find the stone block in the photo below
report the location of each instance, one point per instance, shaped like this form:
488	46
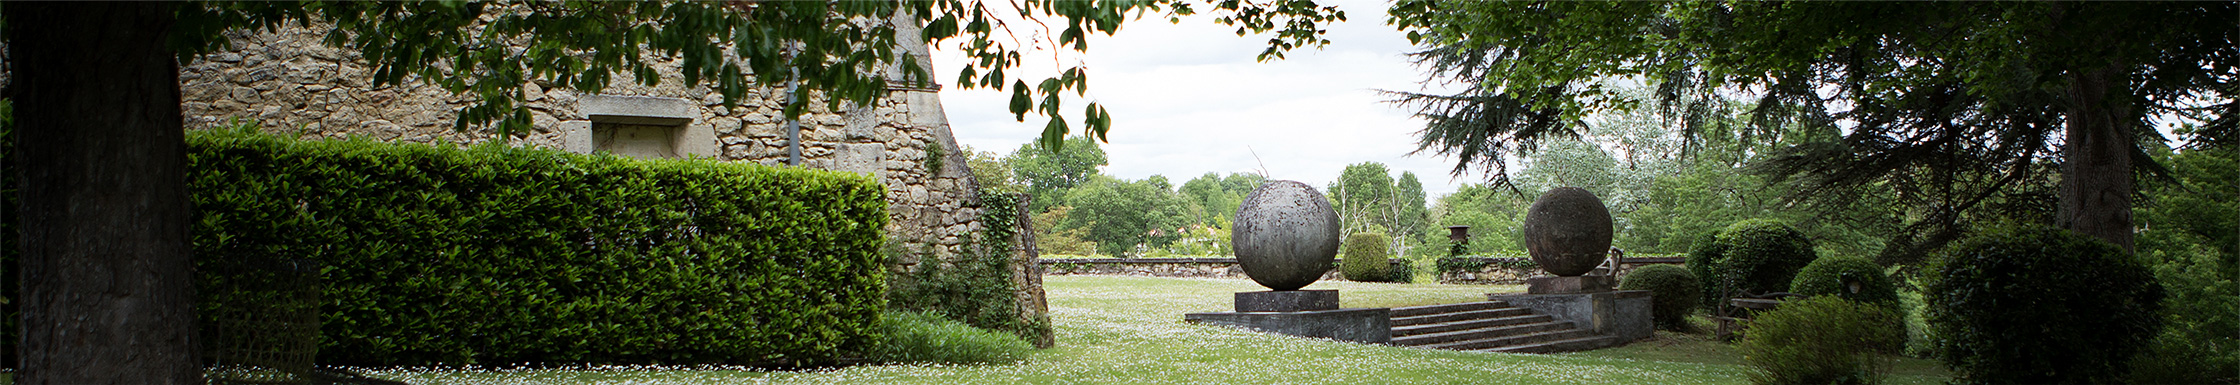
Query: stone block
1623	313
861	157
643	110
1287	300
697	139
1567	285
1369	325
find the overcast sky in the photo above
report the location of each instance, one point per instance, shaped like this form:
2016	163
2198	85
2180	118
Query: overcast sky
1188	99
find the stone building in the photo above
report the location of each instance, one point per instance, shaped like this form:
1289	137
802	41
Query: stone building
294	85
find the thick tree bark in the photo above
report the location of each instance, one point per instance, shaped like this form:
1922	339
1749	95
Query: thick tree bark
107	280
2096	158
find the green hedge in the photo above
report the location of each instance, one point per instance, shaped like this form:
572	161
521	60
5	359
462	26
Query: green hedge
492	255
1364	258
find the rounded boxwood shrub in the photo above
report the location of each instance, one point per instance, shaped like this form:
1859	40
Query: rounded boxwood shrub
1365	257
1855	279
1672	293
2040	305
1822	340
1755	256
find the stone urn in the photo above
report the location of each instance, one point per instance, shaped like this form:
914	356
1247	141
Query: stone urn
1285	235
1567	231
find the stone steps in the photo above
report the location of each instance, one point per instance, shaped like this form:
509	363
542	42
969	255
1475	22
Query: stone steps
1492	326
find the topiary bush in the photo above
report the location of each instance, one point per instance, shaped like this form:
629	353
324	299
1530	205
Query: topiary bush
915	337
1822	340
1752	256
2040	305
1672	293
1365	257
1855	279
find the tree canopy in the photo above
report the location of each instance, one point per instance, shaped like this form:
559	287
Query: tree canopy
1921	93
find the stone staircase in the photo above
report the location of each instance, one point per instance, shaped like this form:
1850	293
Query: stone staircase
1491	326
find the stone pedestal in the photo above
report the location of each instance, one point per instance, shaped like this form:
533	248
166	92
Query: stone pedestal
1287	300
1623	314
1569	285
1369	325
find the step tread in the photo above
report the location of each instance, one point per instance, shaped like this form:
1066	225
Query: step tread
1480	333
1520	339
1459	316
1410	311
1558	346
1402	331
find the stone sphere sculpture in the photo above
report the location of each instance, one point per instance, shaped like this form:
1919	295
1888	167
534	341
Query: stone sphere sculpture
1285	235
1567	231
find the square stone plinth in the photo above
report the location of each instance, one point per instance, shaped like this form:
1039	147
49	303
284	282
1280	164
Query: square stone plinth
1369	325
1287	300
1568	285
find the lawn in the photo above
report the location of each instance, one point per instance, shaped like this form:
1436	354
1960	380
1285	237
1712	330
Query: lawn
1129	330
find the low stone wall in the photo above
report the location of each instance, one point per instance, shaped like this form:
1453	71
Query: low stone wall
1157	267
1514	270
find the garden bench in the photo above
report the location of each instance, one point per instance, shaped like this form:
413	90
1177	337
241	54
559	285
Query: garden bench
1750	305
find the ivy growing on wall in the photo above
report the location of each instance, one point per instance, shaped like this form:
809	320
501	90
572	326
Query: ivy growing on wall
977	288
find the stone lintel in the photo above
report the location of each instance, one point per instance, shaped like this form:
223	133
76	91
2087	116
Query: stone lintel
1363	325
1287	300
1567	285
642	110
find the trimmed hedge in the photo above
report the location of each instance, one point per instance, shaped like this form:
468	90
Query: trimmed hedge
493	255
1851	278
1672	293
2040	305
1365	259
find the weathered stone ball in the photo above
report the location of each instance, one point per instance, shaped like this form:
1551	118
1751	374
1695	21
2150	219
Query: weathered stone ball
1285	235
1567	231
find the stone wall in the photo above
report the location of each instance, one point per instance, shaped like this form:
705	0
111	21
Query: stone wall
1161	267
1514	270
296	86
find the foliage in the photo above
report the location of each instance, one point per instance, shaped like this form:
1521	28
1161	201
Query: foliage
1402	272
991	171
975	289
1955	110
1822	340
1119	215
1672	289
914	337
1219	197
495	255
1053	240
1050	174
2030	304
1754	256
1365	258
1849	278
2190	240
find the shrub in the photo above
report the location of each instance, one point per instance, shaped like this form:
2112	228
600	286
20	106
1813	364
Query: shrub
496	256
1752	256
2200	341
1702	257
1402	272
1365	257
914	337
1855	279
1672	291
977	290
1821	340
2040	305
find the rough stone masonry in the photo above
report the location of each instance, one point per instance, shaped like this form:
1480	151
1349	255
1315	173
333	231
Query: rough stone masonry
294	85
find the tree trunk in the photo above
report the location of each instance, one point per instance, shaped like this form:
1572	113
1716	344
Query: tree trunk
107	280
2096	158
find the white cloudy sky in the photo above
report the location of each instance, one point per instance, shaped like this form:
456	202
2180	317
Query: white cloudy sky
1189	98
